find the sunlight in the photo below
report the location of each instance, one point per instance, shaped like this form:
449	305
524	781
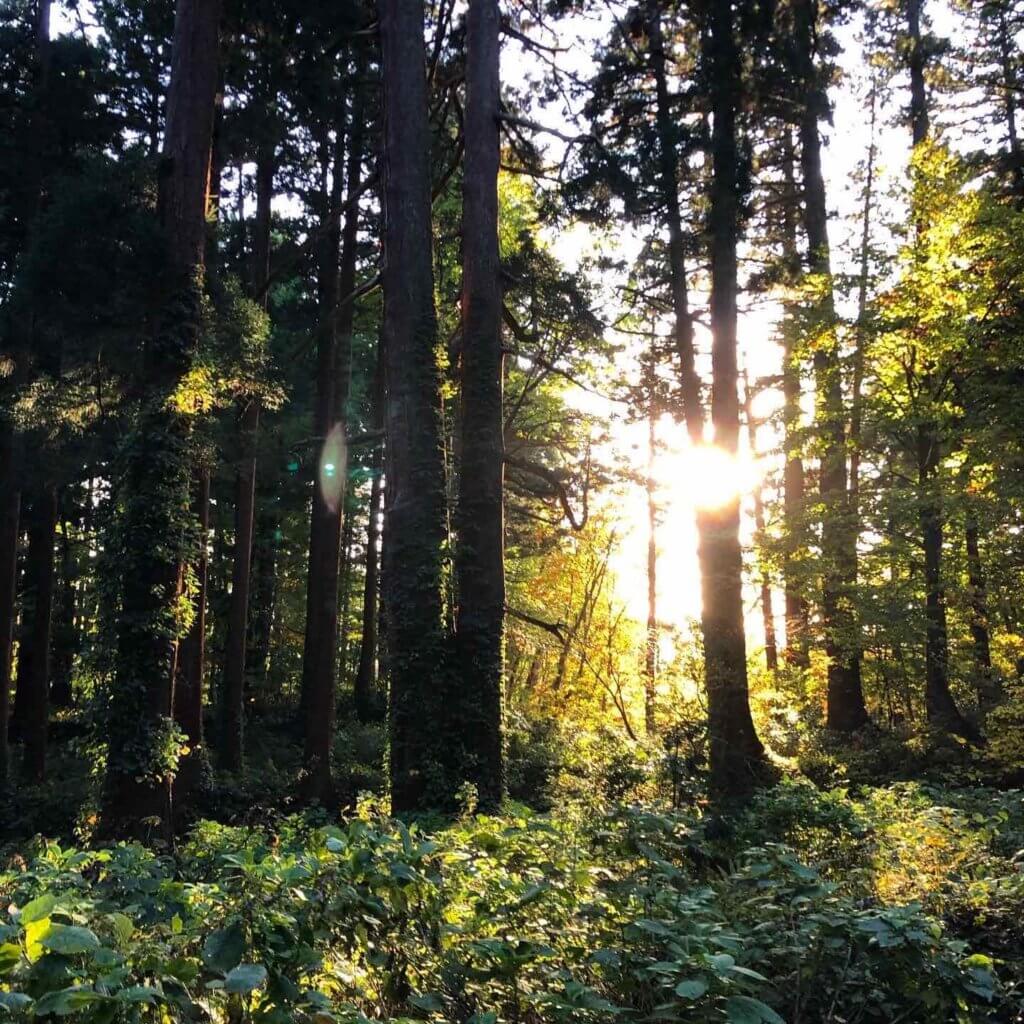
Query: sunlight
702	477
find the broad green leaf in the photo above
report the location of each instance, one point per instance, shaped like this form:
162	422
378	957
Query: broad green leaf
66	1001
224	948
69	939
245	978
693	988
34	933
14	1002
10	955
37	909
746	1010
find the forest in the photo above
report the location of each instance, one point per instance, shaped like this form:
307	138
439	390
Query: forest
512	511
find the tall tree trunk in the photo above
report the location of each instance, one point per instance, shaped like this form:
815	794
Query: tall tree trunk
668	167
846	709
651	646
319	670
480	551
1010	90
11	443
771	648
798	627
939	703
64	641
367	699
737	757
264	596
33	705
155	482
233	739
989	690
188	693
415	499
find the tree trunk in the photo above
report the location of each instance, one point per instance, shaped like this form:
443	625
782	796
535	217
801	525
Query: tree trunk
156	479
233	739
737	757
264	596
771	649
367	699
32	704
989	690
415	499
651	646
64	641
479	553
319	670
668	163
940	706
188	693
798	627
846	709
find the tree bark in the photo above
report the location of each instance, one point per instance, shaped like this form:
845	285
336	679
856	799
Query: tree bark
798	626
188	693
668	161
156	478
737	757
320	663
32	703
415	499
367	699
479	553
846	709
233	738
771	648
651	645
989	689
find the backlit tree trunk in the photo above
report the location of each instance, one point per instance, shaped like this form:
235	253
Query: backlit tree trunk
737	757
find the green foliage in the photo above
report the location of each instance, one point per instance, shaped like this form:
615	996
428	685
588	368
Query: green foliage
620	916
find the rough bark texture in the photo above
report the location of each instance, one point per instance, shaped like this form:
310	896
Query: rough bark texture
737	757
245	494
846	710
479	560
155	477
415	500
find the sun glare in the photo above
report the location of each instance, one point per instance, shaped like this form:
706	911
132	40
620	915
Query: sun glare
702	477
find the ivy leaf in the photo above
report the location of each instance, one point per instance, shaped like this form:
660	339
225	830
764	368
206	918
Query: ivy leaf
245	978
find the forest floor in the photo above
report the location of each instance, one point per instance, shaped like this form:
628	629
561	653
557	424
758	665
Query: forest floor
897	902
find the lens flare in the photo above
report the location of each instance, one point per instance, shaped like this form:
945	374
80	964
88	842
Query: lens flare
333	459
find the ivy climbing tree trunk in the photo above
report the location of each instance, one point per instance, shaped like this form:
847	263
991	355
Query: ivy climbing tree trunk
479	553
155	476
737	757
415	500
